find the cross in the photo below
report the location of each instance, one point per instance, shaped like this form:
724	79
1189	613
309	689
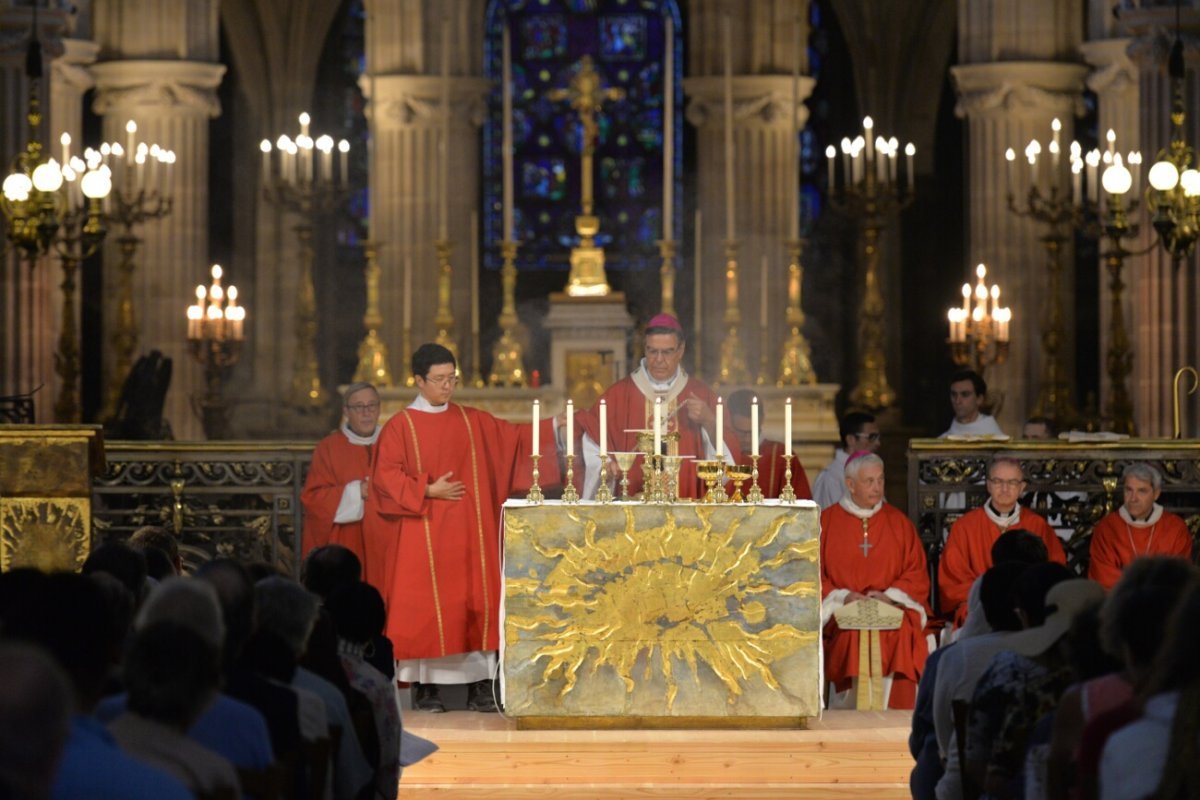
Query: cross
586	97
866	545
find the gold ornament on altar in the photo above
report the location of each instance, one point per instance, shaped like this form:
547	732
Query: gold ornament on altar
215	332
372	351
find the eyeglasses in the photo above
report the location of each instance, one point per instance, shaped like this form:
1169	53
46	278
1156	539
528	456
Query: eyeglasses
359	408
443	381
1000	483
652	353
870	437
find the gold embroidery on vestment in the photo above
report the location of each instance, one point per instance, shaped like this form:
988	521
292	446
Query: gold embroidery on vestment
487	611
437	602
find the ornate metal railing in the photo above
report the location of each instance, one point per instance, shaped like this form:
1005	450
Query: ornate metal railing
1074	485
222	499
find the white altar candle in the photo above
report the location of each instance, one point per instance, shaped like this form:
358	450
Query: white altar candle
668	129
657	425
794	167
787	427
603	428
570	427
720	426
754	427
729	207
537	424
444	200
506	146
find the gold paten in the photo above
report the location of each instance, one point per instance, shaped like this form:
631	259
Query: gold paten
682	612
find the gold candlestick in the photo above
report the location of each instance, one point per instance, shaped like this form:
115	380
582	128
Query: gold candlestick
659	495
733	355
406	365
666	248
508	354
570	495
443	320
787	494
535	492
755	494
795	360
604	494
372	352
719	495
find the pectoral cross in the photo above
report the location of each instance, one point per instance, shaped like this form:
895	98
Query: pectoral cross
586	97
866	545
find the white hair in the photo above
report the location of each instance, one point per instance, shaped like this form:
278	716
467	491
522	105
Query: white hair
353	388
855	465
1143	472
188	602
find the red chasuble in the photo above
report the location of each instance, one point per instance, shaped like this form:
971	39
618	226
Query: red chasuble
629	409
968	554
336	462
895	560
1115	543
437	562
772	467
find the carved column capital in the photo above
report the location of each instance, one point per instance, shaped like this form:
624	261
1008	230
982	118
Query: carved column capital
71	68
758	100
414	101
124	87
1114	71
1006	87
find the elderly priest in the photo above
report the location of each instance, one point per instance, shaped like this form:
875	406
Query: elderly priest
870	552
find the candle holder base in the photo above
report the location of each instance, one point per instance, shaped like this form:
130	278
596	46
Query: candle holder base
535	492
570	495
755	494
719	494
787	494
604	494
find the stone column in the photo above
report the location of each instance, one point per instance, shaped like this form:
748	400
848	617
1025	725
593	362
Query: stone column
1114	79
1005	105
403	62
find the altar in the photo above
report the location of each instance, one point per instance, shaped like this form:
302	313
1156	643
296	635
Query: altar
661	615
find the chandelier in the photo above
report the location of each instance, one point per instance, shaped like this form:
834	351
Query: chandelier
1174	195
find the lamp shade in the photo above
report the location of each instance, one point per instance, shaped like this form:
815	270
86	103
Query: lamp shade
1163	176
1117	179
17	187
48	177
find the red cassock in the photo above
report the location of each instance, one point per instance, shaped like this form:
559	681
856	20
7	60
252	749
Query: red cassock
968	554
895	560
336	462
1115	543
629	410
772	466
437	562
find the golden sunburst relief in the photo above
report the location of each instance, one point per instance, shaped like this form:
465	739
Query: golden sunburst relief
661	610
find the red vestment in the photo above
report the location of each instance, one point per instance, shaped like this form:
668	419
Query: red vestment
896	561
1115	543
772	467
630	410
437	562
336	462
968	554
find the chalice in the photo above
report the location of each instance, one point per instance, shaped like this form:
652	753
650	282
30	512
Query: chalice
625	462
710	471
738	474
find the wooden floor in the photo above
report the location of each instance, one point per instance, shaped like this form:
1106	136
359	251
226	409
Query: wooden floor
846	754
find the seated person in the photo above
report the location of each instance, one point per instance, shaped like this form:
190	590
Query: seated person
968	550
1140	527
871	549
858	431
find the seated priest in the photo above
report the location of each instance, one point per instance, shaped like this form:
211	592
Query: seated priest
967	553
689	408
772	466
857	430
340	475
1140	527
432	530
870	549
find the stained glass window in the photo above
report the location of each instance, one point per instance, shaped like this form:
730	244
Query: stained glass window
626	40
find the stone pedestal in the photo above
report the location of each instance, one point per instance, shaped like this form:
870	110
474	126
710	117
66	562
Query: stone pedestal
589	344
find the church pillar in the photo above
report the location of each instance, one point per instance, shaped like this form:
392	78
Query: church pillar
1164	295
161	74
403	84
1006	104
1114	79
765	189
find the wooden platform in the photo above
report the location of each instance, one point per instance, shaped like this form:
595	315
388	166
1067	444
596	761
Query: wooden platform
845	754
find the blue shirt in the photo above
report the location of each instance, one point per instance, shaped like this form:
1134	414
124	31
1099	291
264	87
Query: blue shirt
94	768
228	727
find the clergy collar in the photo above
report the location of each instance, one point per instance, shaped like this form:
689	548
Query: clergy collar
1003	520
1152	519
859	511
421	404
364	440
662	387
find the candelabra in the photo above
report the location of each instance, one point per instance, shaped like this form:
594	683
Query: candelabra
508	354
871	190
141	188
302	183
795	359
1117	182
372	352
979	336
733	356
215	331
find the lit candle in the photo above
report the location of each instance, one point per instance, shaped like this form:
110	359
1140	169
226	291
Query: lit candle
729	203
657	425
910	150
444	204
265	147
65	139
830	155
603	428
720	425
762	306
1077	181
475	274
1056	127
668	128
868	127
754	427
506	145
966	294
304	120
130	130
794	172
787	427
570	427
537	424
344	162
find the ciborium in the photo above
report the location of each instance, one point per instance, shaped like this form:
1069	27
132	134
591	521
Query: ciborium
739	474
711	471
671	466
